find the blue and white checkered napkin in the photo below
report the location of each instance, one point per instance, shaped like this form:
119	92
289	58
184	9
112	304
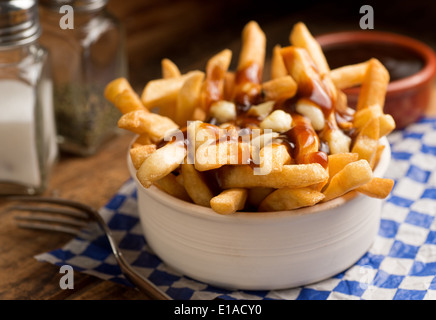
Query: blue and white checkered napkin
401	264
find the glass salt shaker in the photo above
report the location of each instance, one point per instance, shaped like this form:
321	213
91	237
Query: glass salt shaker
86	44
28	148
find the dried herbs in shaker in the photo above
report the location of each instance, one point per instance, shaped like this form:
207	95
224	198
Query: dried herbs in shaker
87	50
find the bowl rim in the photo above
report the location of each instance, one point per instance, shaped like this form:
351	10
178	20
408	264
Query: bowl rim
207	213
426	74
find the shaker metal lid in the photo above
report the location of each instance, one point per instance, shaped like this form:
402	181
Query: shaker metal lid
19	22
79	5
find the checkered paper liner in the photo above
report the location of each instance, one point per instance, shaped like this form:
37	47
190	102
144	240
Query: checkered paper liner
400	265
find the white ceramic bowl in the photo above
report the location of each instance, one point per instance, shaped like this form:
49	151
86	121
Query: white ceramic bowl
260	251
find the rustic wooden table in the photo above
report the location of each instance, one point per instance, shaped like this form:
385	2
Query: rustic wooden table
93	180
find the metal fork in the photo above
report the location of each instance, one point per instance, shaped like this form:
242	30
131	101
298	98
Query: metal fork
82	215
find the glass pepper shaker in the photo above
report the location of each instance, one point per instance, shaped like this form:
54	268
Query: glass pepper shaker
28	148
86	44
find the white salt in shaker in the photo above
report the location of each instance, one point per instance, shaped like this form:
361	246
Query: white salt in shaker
28	147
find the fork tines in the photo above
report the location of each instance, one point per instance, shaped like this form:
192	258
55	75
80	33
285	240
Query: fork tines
70	216
50	218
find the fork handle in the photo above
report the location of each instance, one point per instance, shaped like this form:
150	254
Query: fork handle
143	284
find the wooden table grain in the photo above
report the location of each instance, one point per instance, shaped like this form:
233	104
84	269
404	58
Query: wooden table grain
94	180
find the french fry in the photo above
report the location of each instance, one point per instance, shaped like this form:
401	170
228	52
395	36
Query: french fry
213	156
169	69
349	76
261	140
170	185
366	115
278	68
374	86
120	93
279	88
199	114
179	180
300	67
304	136
377	156
338	161
141	140
256	195
352	176
336	139
273	157
115	87
216	71
128	101
253	46
377	188
140	153
229	201
160	163
319	186
144	122
301	37
229	86
344	113
163	92
366	142
330	87
199	133
386	125
196	185
188	98
290	199
293	176
249	73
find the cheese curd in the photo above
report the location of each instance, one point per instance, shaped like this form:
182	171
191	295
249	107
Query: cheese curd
223	111
278	121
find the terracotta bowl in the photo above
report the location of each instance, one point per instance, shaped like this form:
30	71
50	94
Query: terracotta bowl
260	250
411	64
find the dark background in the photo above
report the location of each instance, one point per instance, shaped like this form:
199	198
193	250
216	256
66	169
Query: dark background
190	31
